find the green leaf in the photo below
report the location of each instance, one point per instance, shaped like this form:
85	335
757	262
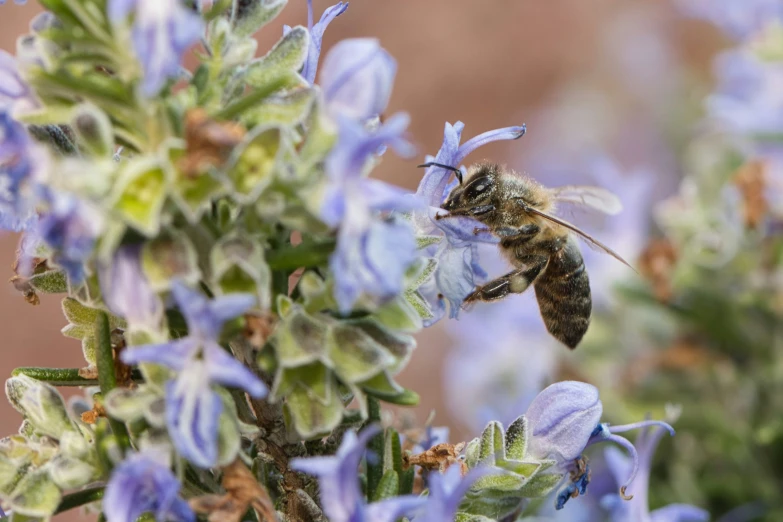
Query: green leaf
388	487
288	54
139	194
491	443
36	495
49	282
41	404
419	304
540	485
69	472
252	167
472	453
356	356
320	138
516	438
309	417
82	320
420	272
384	387
287	109
254	15
300	339
399	315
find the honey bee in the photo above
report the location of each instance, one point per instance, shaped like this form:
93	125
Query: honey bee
541	247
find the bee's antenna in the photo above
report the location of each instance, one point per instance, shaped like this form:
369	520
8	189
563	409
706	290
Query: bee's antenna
457	172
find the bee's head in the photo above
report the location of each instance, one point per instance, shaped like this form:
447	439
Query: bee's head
477	190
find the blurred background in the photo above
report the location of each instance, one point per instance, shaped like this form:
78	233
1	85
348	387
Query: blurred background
612	92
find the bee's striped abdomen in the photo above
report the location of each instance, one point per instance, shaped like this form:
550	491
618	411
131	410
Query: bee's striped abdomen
563	293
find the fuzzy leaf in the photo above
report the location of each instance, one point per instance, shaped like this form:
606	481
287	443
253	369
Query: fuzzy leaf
516	438
288	54
36	495
300	339
68	472
398	315
384	387
419	304
320	139
388	487
355	354
540	485
313	377
309	417
286	109
82	325
49	282
41	404
425	241
93	130
126	404
254	15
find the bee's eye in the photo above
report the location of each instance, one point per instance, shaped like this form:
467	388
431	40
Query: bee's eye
478	187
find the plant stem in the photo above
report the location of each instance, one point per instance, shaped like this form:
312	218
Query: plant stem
255	97
306	254
374	466
106	375
80	498
55	376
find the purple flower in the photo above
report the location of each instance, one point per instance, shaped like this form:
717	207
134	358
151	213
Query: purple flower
446	492
162	32
15	93
142	484
19	161
338	479
127	292
192	407
69	227
372	253
740	19
748	99
457	254
357	79
636	509
317	35
563	420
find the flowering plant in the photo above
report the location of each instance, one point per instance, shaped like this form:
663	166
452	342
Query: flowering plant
243	291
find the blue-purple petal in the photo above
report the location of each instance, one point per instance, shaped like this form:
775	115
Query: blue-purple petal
317	35
192	414
226	370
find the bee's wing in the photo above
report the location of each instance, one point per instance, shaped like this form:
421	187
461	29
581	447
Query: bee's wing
595	198
590	240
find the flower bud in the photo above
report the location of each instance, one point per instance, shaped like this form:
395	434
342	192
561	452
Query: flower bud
41	404
561	419
357	78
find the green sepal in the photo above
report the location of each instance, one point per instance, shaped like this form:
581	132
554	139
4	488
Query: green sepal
238	265
128	405
254	15
300	339
139	194
36	495
82	326
540	485
93	130
425	241
384	387
399	315
288	54
252	166
194	194
313	377
169	258
320	138
355	354
286	109
308	416
69	472
467	517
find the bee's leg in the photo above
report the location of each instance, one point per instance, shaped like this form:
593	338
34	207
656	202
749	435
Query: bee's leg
514	282
469	212
511	237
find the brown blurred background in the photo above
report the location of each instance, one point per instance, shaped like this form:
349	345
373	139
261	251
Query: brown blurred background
490	63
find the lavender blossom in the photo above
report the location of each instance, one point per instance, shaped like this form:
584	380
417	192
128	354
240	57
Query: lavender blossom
317	35
127	292
15	93
372	253
192	407
18	164
457	255
162	32
563	420
357	79
142	484
70	228
748	98
740	19
636	509
338	479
